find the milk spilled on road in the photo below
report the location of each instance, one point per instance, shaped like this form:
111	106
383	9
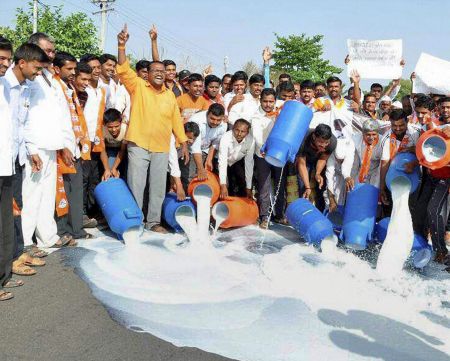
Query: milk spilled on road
400	234
228	299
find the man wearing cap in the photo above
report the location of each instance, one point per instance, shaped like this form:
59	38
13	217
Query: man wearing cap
183	80
369	154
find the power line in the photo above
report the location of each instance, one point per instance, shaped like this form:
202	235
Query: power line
104	9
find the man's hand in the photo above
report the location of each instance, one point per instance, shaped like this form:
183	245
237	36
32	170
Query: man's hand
409	167
36	163
223	191
355	76
209	164
185	153
319	180
402	62
181	196
249	193
202	174
236	99
123	36
384	197
115	172
349	184
153	32
67	157
107	174
413	76
395	82
347	59
267	55
207	71
333	205
326	106
446	131
307	193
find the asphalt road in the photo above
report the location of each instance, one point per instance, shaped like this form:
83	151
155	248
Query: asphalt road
55	317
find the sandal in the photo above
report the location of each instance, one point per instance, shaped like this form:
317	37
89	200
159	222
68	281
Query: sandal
72	243
4	295
62	241
27	260
13	283
36	252
22	270
87	236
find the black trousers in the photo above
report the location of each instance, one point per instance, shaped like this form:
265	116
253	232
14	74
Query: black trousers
7	242
91	177
236	179
72	223
264	174
17	179
428	211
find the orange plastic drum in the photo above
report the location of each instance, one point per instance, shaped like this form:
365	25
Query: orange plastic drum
209	186
237	212
433	152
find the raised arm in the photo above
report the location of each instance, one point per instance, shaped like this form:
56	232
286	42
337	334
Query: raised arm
122	39
154	40
267	55
356	88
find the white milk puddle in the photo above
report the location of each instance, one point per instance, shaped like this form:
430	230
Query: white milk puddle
286	301
400	234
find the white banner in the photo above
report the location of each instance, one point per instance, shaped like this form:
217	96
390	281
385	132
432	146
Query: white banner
375	59
432	75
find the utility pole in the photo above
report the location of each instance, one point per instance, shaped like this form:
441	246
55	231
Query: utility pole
225	64
104	8
35	15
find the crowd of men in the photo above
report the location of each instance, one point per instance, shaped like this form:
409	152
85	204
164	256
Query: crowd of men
67	124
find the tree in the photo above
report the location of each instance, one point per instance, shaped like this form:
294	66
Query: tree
301	57
75	33
405	88
251	68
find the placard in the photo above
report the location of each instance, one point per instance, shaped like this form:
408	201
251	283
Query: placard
375	59
432	75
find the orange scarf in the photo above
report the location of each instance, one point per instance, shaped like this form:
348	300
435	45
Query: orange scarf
367	158
393	145
78	121
80	130
99	140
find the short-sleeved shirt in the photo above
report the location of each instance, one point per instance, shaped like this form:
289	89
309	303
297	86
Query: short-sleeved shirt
188	106
312	156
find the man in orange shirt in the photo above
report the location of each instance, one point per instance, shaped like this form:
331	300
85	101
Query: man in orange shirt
193	101
154	117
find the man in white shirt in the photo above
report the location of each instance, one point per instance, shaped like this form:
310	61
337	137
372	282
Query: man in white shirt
262	123
338	171
28	62
239	87
43	138
212	127
98	100
192	131
6	172
400	138
246	108
118	97
236	151
70	224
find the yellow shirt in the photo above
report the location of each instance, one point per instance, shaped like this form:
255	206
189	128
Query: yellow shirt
154	113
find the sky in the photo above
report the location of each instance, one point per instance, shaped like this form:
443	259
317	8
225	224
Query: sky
198	32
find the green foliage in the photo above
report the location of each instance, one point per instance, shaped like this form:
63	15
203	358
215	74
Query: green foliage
405	88
301	57
75	33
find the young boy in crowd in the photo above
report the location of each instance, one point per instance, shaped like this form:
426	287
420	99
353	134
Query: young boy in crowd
113	157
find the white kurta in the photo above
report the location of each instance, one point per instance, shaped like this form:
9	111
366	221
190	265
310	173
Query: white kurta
338	168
